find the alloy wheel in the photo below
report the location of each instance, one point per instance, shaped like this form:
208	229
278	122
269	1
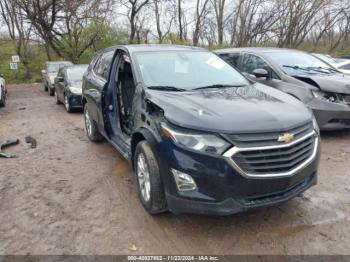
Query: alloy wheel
66	103
88	123
144	177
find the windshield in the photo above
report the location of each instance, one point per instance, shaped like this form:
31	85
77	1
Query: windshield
186	70
289	62
54	68
76	73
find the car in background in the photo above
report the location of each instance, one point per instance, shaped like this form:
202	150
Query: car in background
343	65
3	91
49	74
321	87
68	86
200	137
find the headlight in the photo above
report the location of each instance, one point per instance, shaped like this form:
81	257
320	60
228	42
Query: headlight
75	90
325	96
196	141
52	79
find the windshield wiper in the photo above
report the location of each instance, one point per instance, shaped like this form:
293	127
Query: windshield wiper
166	88
311	68
320	68
297	67
217	86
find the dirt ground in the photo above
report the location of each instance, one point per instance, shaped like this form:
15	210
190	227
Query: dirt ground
70	196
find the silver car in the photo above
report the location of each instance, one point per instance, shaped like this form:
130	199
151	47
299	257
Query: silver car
49	74
320	86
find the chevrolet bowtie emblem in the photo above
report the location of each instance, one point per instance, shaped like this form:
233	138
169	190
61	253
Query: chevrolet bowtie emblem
286	138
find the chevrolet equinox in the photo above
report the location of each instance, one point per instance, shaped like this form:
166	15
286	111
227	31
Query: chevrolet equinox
200	137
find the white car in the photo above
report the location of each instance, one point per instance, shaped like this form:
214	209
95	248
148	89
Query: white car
3	91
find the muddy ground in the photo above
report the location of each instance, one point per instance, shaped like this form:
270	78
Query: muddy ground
70	196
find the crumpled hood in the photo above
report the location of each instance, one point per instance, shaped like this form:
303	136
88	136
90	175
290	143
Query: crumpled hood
338	83
256	108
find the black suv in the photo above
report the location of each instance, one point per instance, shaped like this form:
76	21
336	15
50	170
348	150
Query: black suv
199	135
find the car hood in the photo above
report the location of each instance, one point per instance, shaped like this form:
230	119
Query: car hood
251	109
77	84
338	83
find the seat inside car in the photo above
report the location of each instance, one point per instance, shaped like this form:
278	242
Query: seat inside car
126	91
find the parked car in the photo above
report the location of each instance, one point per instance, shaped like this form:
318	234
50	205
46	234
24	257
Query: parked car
321	87
200	136
68	86
3	91
342	65
49	74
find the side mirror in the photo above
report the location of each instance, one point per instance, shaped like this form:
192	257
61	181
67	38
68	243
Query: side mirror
261	73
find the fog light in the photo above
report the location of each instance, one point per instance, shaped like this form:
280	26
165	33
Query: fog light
184	181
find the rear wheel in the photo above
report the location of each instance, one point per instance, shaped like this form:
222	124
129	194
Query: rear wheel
91	128
51	91
2	97
150	186
58	102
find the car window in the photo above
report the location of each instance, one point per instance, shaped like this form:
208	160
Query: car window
251	62
103	65
186	69
231	58
76	73
345	67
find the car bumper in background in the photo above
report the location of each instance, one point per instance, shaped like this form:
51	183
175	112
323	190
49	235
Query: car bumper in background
331	116
75	101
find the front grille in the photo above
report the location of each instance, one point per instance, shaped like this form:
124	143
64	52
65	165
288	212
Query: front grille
275	160
268	138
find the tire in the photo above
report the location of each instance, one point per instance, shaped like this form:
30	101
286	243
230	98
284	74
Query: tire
91	128
51	91
45	87
2	97
67	104
145	162
57	100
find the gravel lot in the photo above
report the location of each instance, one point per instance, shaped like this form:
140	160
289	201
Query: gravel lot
70	196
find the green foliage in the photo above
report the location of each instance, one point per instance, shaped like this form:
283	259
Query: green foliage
37	59
107	36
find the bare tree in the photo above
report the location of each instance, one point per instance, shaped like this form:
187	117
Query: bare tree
61	23
159	14
219	8
133	9
200	14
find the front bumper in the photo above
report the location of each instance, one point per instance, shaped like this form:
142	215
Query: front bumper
75	100
330	116
231	206
222	190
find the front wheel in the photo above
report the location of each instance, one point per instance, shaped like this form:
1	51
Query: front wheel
67	104
57	99
150	186
91	128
